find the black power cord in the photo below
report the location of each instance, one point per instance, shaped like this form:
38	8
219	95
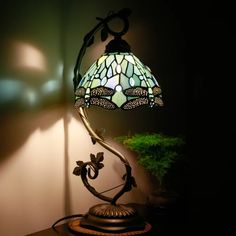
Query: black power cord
66	218
80	215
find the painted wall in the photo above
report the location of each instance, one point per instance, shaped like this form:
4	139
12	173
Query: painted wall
41	135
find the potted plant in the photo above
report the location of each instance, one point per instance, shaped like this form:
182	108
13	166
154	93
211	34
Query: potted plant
157	153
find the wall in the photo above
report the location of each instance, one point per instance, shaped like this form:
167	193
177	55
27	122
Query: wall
41	135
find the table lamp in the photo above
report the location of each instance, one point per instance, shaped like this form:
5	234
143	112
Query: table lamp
118	79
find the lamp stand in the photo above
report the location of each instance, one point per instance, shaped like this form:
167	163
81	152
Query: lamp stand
107	217
117	79
112	218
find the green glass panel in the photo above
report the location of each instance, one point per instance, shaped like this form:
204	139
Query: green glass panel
148	85
103	73
131	81
143	84
136	70
140	65
109	72
83	81
130	59
119	98
87	78
104	81
109	60
88	84
124	81
92	69
119	58
130	70
124	66
95	83
136	80
101	60
102	66
85	85
147	73
131	98
112	82
142	70
150	81
113	66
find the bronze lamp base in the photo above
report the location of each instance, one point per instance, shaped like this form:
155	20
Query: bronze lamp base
107	219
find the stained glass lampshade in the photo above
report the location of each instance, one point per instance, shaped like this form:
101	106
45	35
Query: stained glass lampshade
118	80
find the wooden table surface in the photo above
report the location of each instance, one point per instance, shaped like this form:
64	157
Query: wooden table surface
164	223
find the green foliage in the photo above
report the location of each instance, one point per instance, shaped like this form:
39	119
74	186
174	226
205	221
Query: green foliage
156	152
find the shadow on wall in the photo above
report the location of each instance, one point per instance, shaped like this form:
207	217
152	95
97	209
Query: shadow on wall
16	128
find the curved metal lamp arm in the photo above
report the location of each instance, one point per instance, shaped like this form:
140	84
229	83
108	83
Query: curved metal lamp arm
97	138
84	168
96	164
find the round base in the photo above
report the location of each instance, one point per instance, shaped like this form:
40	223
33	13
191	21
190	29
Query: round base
109	219
76	227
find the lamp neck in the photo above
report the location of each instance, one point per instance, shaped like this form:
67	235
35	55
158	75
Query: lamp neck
117	45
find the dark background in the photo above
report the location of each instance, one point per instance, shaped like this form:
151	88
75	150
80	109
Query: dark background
209	59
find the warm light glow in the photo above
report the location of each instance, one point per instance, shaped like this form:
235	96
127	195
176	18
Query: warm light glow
26	56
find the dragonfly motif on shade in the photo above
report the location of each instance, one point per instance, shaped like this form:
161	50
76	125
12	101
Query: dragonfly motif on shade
118	80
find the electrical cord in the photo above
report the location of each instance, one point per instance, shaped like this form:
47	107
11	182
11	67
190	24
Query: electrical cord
66	218
80	215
